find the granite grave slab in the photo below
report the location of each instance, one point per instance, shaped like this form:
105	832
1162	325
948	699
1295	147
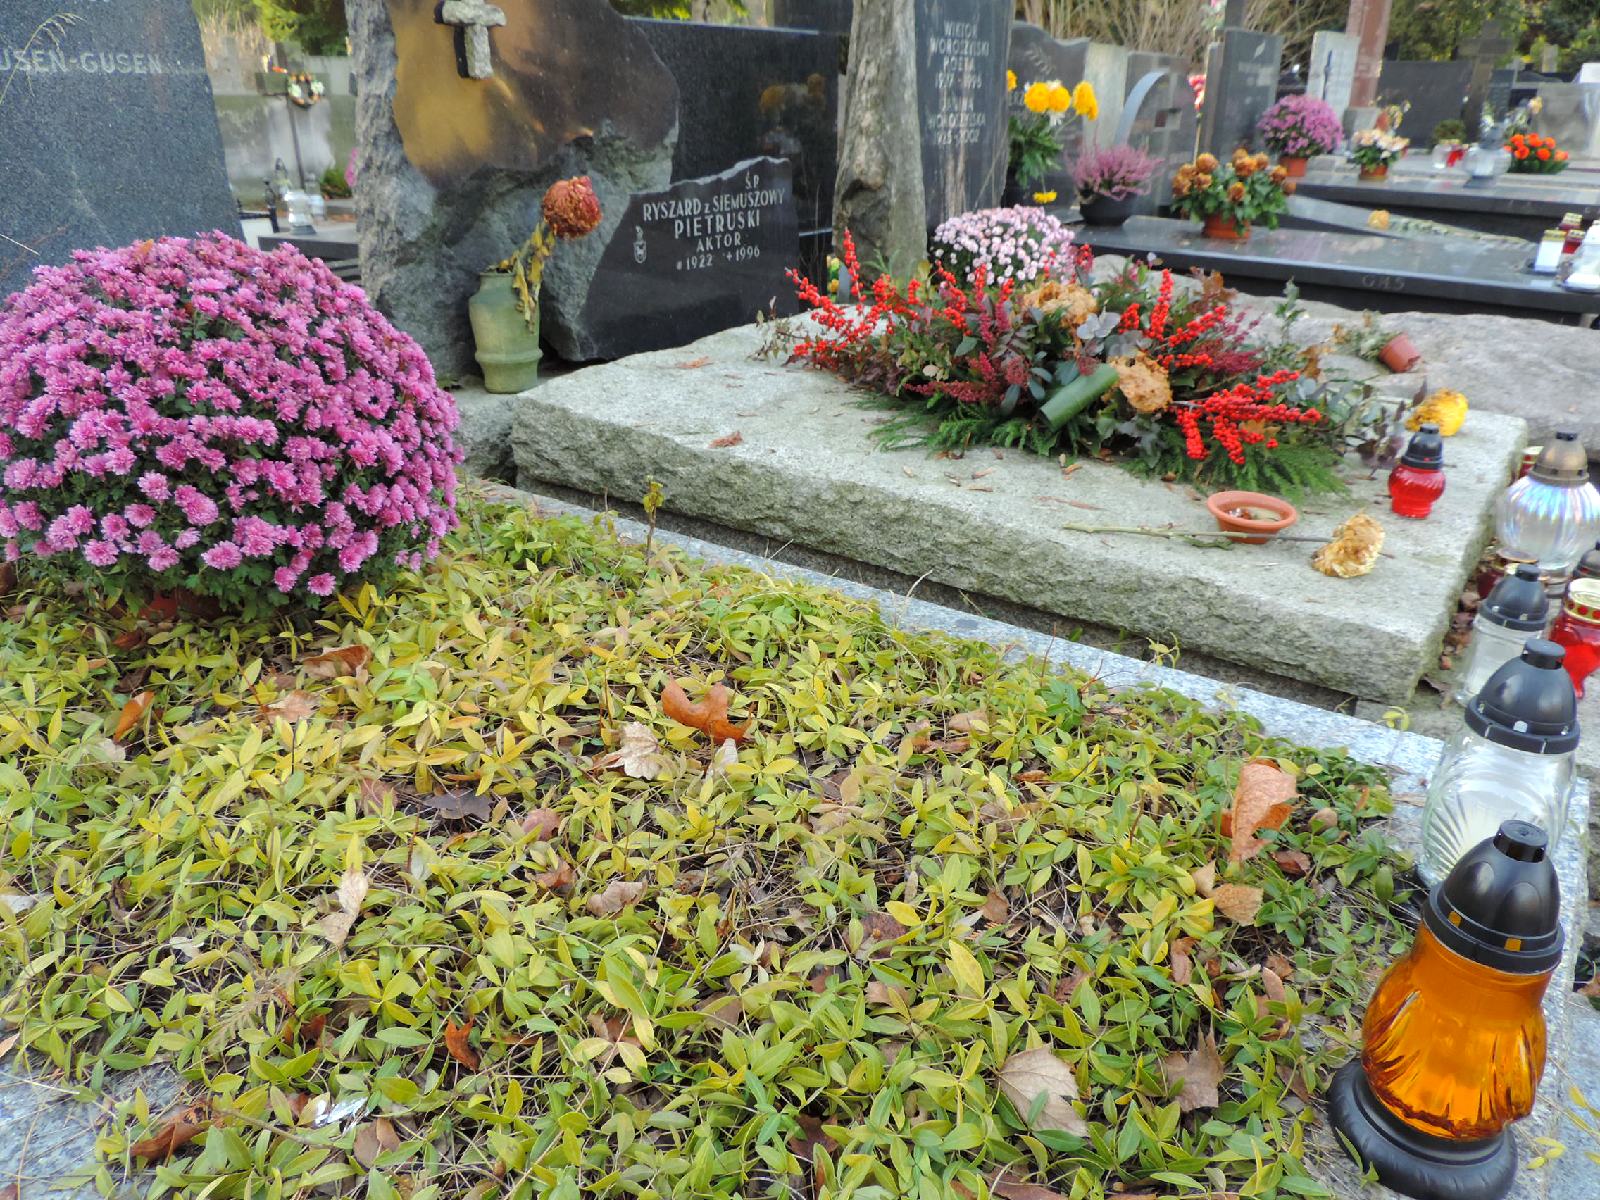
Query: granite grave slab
1241	84
1523	206
962	48
1382	273
108	133
748	92
695	257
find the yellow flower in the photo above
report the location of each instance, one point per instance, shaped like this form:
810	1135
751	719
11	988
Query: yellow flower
1011	81
1060	98
1044	197
1085	101
1037	98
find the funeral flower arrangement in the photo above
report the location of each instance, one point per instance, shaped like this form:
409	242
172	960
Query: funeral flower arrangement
570	209
1241	192
1134	366
1300	127
1535	154
1371	149
1021	243
1115	172
200	415
1037	125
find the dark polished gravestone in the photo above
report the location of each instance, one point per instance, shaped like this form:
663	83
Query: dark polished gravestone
1519	206
694	258
1436	91
1386	274
745	93
1035	55
962	47
107	130
1158	118
1241	84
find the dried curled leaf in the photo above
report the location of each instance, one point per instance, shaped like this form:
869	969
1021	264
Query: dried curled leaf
709	716
172	1137
1042	1088
373	1139
455	1041
639	755
459	805
542	823
350	896
1199	1071
345	660
292	707
1238	902
1143	383
1354	549
132	713
1263	799
728	439
618	895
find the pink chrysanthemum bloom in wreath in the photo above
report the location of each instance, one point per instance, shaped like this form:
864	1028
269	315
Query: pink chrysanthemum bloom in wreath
199	414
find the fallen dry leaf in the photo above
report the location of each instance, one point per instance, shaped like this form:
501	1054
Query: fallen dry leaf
1182	963
375	796
1292	863
804	1146
1205	879
1263	799
542	823
1279	965
7	1042
331	664
618	895
309	1032
1009	1189
132	712
709	716
372	1139
881	927
1200	1071
725	1010
728	439
173	1136
455	1041
459	805
726	755
10	1192
351	894
558	878
639	754
694	363
1238	902
1036	1073
969	722
8	577
296	706
878	992
1272	985
1325	818
996	908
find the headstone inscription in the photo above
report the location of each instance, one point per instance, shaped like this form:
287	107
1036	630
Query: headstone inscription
962	47
1241	84
453	167
1036	55
1158	118
1332	73
747	92
107	130
693	258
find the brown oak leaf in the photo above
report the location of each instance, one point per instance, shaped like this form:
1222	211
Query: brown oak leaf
996	908
639	754
542	823
709	716
1263	799
295	706
558	878
1292	863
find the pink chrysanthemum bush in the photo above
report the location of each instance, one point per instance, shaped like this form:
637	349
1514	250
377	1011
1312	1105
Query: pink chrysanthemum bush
198	414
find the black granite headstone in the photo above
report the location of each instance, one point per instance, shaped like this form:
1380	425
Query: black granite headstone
693	258
744	93
1483	54
1158	117
1436	92
826	16
1035	55
962	47
107	130
1241	84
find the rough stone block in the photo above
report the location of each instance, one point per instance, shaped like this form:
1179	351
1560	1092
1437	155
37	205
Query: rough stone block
805	468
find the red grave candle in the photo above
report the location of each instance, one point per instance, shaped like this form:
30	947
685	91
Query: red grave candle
1578	629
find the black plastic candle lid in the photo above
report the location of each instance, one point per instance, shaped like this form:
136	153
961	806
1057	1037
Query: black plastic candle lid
1589	564
1529	703
1518	601
1426	449
1501	904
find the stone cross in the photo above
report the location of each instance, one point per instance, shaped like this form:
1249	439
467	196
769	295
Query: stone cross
474	19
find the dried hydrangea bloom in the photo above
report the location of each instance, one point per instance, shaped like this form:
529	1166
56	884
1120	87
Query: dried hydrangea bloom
1076	302
1354	549
571	208
1143	383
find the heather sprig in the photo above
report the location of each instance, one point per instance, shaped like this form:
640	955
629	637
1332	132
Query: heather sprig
1300	127
199	414
1115	172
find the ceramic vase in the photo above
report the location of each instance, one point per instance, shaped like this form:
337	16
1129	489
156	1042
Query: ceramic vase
507	350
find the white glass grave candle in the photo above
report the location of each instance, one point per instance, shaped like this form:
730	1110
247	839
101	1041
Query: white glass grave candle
1514	611
1551	514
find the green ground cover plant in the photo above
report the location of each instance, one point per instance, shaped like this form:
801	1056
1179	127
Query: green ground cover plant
443	891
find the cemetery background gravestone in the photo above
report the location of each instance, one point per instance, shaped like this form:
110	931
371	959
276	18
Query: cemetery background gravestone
107	131
962	49
1158	117
1035	55
1241	83
1483	54
1436	92
1332	72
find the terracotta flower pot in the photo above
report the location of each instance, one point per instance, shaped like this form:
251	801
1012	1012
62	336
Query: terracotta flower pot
1219	226
1374	174
1253	513
1293	164
1400	355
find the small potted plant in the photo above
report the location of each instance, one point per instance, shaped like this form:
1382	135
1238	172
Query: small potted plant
505	310
1298	128
1374	149
1371	341
1109	180
1231	197
1535	154
1036	134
